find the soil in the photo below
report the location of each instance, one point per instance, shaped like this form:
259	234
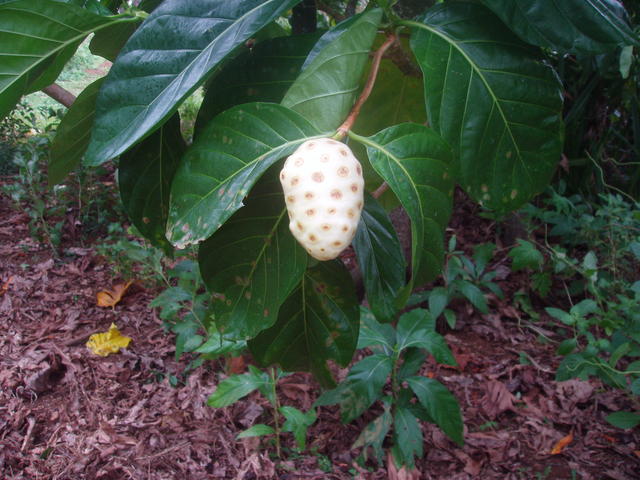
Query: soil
66	413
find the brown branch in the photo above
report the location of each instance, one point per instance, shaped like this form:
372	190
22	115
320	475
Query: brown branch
355	111
384	186
60	95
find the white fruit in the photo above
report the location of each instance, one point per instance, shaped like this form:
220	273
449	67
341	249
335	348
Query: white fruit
323	189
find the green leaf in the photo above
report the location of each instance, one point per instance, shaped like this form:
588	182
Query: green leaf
261	74
493	99
258	430
412	361
561	315
374	333
438	301
380	259
108	42
298	422
623	419
37	37
165	60
584	307
361	388
327	87
573	26
226	160
374	434
567	346
234	388
145	174
473	294
525	255
72	135
318	322
252	263
407	436
441	405
217	344
414	161
417	329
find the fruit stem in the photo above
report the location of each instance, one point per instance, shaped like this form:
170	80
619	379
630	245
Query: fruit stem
366	91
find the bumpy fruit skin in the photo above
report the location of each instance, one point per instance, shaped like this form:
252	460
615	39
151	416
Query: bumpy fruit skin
323	189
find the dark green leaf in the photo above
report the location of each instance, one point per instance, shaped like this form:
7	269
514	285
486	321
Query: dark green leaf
258	430
165	60
525	255
327	87
417	329
318	322
438	301
374	333
575	26
414	161
362	387
216	344
623	419
252	263
108	42
72	135
412	361
37	37
567	346
261	74
226	160
407	436
441	405
380	259
145	174
234	388
474	295
493	99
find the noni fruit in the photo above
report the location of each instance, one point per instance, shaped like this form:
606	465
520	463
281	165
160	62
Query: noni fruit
323	189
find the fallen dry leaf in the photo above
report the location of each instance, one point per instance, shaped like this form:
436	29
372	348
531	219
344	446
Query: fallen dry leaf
561	444
109	298
5	286
109	342
497	399
394	473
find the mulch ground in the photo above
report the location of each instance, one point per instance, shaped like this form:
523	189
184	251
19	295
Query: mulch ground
68	414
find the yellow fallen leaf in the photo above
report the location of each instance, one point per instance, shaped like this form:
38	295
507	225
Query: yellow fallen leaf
109	342
109	298
562	443
5	286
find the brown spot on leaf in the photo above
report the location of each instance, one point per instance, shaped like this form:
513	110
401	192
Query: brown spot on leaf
336	194
317	177
291	198
343	152
351	213
343	171
326	227
337	243
300	227
354	188
311	212
332	211
308	195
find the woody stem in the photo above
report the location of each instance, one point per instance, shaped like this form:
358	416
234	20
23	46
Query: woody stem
366	91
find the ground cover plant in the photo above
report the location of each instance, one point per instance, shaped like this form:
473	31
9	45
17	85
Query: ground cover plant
429	97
